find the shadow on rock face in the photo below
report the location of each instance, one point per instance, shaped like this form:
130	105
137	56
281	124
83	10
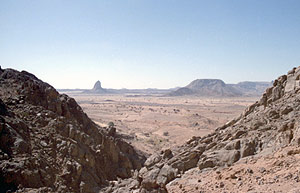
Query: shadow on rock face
48	144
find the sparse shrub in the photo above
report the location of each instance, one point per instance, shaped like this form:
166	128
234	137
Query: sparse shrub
111	124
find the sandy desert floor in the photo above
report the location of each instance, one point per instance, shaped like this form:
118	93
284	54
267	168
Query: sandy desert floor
278	172
153	123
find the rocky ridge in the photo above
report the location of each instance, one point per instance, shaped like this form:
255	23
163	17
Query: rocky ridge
48	144
266	127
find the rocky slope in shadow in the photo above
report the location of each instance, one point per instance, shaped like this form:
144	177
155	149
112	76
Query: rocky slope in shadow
265	127
48	144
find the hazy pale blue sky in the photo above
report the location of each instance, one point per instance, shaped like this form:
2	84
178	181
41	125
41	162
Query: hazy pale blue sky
149	43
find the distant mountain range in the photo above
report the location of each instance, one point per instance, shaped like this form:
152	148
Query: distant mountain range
218	88
98	89
252	88
199	87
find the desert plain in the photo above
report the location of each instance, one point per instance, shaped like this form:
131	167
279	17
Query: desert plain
152	122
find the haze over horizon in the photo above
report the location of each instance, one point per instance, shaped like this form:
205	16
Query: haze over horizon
149	44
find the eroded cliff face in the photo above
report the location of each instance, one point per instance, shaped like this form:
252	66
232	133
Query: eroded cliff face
264	128
48	144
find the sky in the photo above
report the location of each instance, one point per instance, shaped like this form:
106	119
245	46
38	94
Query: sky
149	43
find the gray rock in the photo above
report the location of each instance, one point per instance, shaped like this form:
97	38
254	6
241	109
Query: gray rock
152	160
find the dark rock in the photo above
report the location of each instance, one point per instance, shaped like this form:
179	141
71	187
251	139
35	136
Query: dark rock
149	180
238	134
273	114
48	141
3	109
152	160
167	154
248	148
286	110
206	164
112	131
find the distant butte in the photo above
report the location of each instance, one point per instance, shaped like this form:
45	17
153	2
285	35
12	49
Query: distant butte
218	88
97	89
97	86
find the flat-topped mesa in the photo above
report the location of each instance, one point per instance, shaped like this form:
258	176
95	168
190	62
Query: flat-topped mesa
48	144
218	88
200	83
207	87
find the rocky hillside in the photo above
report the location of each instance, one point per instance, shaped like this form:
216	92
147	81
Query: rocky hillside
267	130
48	144
218	88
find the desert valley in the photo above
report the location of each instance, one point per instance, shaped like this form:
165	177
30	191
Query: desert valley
155	121
141	96
148	143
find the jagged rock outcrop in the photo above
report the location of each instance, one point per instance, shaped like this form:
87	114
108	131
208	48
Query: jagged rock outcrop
48	144
97	89
270	124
